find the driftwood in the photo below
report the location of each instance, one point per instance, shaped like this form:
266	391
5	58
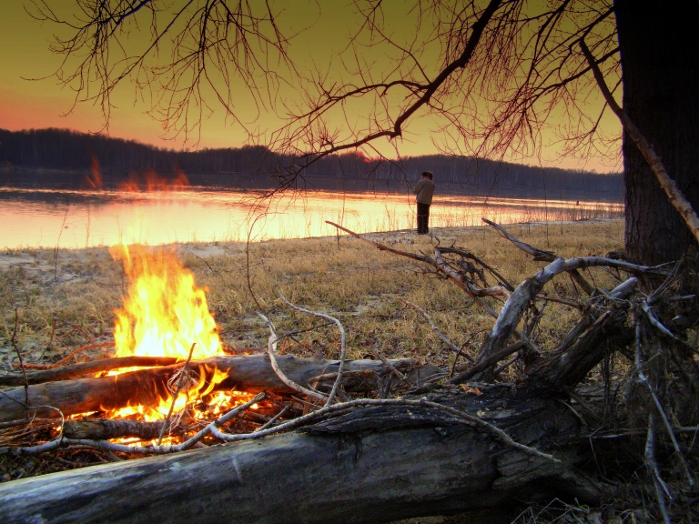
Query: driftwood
147	386
374	464
539	255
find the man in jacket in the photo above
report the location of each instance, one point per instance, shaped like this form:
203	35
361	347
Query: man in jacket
424	190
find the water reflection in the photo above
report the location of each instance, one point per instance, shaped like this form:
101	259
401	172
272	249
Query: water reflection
75	218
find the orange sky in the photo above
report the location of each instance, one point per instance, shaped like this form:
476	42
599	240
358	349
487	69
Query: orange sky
26	104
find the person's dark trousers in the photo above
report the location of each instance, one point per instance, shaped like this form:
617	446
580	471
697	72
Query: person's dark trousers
423	218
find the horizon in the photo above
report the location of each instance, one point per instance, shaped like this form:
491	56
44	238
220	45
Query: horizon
368	159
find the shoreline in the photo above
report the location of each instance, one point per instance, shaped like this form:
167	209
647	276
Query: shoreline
40	258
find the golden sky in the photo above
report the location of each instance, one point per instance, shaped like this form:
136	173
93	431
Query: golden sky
26	104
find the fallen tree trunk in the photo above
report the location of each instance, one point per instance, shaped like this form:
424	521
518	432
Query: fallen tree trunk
375	464
146	386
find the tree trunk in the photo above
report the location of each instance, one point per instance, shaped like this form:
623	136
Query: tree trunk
660	68
376	464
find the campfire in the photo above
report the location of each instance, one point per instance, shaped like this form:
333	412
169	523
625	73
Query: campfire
166	315
171	384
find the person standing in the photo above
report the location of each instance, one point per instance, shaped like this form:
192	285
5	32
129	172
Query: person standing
424	191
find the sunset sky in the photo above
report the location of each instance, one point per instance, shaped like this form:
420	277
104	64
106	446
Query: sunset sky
25	103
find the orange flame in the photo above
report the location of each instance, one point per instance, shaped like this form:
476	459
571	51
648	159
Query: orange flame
94	179
163	315
165	312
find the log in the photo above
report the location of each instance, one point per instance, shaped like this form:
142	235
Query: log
146	386
105	429
84	368
369	465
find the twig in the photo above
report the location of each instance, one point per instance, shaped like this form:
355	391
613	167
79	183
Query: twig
247	261
21	362
661	489
73	353
134	450
539	255
660	327
58	241
393	370
507	364
49	375
53	332
491	270
276	417
439	264
343	344
206	263
26	422
180	381
521	298
488	362
271	351
434	327
644	379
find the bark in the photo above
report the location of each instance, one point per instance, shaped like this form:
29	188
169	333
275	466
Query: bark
660	68
368	465
147	386
84	368
105	429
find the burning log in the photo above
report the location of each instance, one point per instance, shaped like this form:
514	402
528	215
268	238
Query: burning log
85	368
147	386
105	429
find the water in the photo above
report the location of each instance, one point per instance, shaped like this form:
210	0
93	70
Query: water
46	218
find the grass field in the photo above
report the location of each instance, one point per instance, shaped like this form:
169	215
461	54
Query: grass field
53	302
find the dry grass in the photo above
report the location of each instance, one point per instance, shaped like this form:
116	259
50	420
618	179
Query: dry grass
55	305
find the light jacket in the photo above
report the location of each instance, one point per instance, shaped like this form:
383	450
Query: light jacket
424	190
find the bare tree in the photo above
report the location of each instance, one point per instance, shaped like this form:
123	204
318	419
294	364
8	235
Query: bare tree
495	77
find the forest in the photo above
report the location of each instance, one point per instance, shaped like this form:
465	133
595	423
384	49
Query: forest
257	166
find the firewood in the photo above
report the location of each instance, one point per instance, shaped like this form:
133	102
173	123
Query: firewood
105	429
146	386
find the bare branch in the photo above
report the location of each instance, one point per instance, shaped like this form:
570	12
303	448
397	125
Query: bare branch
343	344
272	350
434	327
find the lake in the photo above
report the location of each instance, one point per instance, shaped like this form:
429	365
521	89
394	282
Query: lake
67	218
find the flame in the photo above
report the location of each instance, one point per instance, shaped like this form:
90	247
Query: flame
94	179
164	314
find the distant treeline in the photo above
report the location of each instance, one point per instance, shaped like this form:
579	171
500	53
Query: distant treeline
256	166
